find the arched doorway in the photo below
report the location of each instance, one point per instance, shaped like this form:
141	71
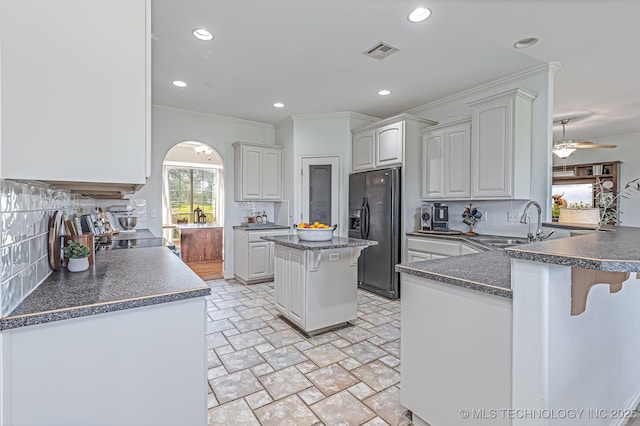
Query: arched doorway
193	206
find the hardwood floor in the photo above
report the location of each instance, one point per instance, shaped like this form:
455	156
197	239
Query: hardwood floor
211	270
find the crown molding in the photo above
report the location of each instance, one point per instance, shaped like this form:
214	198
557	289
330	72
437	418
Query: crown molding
548	67
218	117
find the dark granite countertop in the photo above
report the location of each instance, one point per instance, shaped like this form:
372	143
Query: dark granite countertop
488	272
138	234
335	243
617	250
260	226
198	226
120	279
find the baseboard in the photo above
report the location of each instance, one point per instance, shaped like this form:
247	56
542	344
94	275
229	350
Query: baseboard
630	405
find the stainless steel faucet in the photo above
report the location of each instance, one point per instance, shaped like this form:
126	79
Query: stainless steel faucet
539	236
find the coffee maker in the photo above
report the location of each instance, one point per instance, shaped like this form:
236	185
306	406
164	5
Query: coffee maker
440	217
425	218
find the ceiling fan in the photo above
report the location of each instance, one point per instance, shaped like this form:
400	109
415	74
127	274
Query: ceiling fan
566	147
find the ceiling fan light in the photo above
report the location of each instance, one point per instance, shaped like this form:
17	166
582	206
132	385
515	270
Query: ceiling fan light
563	152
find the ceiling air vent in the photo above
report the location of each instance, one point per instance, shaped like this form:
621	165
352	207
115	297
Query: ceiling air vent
380	50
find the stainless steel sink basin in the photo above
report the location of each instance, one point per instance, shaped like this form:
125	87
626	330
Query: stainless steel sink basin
500	242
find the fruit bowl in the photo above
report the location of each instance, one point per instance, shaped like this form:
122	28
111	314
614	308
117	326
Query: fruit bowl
315	234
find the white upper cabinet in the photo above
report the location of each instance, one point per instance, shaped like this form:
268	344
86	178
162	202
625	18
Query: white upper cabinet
363	149
75	90
389	144
446	161
378	148
381	145
258	172
501	146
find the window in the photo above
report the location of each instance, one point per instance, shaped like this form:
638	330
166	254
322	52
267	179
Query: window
193	194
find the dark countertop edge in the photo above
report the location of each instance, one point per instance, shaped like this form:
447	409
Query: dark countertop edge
201	226
573	261
458	282
569	226
260	228
139	234
322	245
9	323
614	249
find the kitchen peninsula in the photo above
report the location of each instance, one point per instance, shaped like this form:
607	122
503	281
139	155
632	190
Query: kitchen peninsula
316	281
120	343
527	328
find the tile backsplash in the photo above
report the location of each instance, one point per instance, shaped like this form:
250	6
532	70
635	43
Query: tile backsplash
26	210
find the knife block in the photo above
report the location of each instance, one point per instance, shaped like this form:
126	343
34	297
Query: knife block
84	239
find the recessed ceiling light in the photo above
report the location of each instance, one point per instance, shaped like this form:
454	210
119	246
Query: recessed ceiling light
278	105
525	42
179	83
202	34
419	14
384	92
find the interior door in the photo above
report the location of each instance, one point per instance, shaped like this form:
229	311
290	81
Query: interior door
321	191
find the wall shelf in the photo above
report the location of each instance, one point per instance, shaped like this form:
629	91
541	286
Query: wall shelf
583	173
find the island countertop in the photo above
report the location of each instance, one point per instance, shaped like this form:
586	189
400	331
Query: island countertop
488	272
335	243
617	250
120	279
260	226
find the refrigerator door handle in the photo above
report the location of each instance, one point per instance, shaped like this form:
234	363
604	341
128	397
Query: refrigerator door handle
362	218
367	219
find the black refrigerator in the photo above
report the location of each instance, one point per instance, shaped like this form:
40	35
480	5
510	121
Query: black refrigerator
374	214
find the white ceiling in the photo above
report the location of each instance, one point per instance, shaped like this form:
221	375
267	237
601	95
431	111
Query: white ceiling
308	55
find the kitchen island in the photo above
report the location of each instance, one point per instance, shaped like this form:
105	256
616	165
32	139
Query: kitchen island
316	281
510	337
120	343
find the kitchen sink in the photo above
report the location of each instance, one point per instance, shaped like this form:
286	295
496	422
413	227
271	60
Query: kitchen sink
499	242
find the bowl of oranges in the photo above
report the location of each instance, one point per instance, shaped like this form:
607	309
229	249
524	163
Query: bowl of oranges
315	231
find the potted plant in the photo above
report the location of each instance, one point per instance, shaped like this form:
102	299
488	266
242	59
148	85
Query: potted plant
607	202
78	255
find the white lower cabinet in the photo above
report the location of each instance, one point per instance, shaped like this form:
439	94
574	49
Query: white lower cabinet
259	259
429	248
316	289
456	353
114	357
253	257
417	256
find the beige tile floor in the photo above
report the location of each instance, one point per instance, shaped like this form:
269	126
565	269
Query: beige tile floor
263	372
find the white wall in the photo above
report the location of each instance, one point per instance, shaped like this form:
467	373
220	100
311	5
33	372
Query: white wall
171	126
628	151
284	136
315	135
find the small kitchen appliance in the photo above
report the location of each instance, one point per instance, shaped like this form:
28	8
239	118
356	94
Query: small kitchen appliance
440	217
425	218
126	217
